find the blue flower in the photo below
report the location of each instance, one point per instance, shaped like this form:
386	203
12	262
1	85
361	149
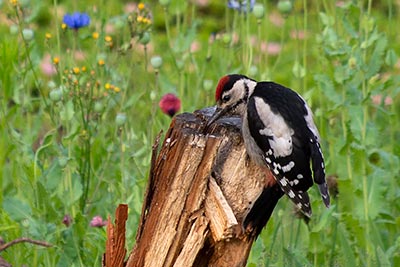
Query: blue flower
76	20
241	5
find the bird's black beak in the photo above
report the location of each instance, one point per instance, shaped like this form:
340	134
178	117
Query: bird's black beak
219	112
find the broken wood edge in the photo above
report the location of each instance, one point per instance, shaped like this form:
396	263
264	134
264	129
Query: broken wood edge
194	242
115	253
223	223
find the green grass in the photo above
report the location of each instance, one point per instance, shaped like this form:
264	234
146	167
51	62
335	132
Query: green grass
73	144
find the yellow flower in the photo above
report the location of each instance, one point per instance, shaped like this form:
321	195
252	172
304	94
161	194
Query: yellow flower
117	89
108	39
76	70
140	6
139	19
48	35
14	2
95	35
63	26
101	62
146	21
84	133
107	86
83	69
56	60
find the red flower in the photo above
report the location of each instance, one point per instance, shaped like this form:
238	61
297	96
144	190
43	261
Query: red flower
170	104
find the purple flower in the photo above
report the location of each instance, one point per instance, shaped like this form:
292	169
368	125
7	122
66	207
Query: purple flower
241	5
67	220
97	221
76	20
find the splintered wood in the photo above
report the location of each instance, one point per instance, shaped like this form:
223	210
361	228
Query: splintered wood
115	243
221	216
200	188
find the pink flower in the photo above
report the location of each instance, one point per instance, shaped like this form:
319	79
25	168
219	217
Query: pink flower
79	55
340	3
47	66
130	7
67	220
195	46
97	221
294	34
202	3
170	104
276	19
271	48
377	100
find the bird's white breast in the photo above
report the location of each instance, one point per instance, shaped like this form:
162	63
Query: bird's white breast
276	128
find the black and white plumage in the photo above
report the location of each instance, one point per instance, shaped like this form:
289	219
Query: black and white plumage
279	132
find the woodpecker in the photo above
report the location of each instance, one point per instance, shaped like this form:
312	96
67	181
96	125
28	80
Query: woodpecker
279	133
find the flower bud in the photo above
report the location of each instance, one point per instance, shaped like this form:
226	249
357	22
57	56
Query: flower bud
285	6
62	161
55	95
98	107
253	70
27	34
156	62
145	39
226	38
352	62
120	119
208	84
259	11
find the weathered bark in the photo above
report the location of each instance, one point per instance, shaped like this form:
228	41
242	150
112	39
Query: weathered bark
200	188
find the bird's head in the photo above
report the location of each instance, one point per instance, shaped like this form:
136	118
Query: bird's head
231	95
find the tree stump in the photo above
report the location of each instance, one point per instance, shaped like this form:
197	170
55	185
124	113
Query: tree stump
201	187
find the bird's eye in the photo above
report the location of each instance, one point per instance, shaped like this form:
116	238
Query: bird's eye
226	98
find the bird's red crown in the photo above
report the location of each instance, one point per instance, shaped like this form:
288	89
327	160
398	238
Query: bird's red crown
220	87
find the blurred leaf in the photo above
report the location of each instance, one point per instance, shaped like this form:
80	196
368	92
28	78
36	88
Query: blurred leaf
17	209
341	74
298	70
73	194
376	60
328	88
347	196
356	121
376	187
372	37
383	260
178	6
348	141
324	220
67	111
346	247
296	258
53	176
326	19
391	58
349	27
8	53
184	40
